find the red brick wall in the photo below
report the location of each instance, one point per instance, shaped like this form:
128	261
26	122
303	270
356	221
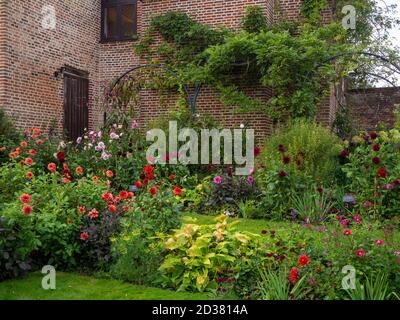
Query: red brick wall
369	107
35	95
4	59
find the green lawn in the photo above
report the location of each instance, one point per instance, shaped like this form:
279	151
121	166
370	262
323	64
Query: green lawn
78	287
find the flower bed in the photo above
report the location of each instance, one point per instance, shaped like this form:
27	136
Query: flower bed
97	205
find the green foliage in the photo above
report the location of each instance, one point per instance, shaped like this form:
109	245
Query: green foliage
227	60
15	247
312	9
8	135
372	171
274	285
374	288
311	148
254	20
311	207
229	192
138	250
198	255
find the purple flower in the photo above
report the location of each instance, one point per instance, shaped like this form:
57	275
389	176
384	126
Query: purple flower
79	140
389	186
217	180
134	125
250	180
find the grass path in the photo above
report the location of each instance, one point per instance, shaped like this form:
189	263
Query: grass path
77	287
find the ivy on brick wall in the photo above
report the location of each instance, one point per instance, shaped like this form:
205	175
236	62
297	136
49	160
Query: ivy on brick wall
289	58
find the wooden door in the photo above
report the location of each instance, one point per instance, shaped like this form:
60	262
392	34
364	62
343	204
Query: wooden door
76	113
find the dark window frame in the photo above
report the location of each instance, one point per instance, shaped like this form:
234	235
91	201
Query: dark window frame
118	4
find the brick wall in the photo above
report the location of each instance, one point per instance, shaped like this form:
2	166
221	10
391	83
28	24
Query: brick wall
35	95
4	59
369	107
31	55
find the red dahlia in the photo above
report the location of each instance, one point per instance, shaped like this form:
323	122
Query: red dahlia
303	260
293	276
381	173
25	198
26	210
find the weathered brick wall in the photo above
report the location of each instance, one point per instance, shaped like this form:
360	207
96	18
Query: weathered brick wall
369	107
35	95
31	55
4	58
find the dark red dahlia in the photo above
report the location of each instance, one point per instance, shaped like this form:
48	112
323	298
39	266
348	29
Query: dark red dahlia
286	160
376	147
282	174
344	154
376	160
60	156
373	135
381	173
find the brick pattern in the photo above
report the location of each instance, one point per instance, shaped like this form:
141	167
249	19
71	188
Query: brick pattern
4	57
30	55
369	107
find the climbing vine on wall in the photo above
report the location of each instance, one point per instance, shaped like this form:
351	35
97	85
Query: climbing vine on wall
292	59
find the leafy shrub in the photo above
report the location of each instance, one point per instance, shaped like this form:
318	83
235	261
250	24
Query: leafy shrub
279	187
199	256
228	190
308	147
254	19
156	211
59	220
373	173
8	135
15	247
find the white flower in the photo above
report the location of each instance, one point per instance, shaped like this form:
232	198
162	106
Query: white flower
241	126
99	134
120	126
62	145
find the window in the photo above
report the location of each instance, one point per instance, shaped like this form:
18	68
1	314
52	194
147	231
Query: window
118	20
